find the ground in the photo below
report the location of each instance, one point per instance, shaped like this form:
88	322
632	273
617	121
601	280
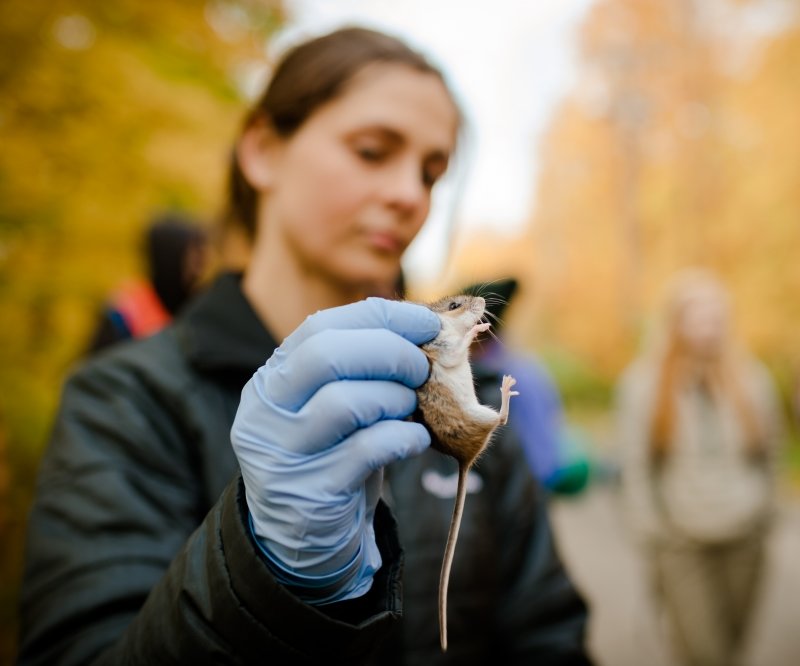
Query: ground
624	629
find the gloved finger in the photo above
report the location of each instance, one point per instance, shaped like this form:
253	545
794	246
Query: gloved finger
332	414
338	409
415	323
334	355
352	461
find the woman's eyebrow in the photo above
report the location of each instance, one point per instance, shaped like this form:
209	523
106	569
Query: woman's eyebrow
395	137
382	131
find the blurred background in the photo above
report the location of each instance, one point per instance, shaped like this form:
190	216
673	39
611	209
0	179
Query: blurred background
647	135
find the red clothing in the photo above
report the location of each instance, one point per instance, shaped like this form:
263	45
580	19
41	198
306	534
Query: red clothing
141	308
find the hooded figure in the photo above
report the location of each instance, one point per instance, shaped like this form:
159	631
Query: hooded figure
553	451
175	252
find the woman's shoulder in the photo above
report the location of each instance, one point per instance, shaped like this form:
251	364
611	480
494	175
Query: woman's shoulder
758	381
155	362
639	374
755	370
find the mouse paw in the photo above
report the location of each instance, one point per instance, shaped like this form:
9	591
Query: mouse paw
478	328
506	393
508	382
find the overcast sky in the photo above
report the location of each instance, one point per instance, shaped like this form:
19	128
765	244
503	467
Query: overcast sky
509	62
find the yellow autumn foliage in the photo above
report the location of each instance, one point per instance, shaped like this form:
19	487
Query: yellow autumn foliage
677	147
109	111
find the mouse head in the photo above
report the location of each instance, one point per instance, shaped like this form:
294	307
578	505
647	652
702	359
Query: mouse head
460	312
459	316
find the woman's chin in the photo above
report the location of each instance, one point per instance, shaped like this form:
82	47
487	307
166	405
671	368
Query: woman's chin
373	278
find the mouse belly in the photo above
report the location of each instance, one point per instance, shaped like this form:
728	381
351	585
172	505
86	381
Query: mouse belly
455	431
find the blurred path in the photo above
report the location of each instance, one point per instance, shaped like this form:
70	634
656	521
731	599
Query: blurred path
624	630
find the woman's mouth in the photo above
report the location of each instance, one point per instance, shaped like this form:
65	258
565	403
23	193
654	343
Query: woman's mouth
384	241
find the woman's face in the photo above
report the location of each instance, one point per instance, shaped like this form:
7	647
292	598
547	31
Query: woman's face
703	324
352	186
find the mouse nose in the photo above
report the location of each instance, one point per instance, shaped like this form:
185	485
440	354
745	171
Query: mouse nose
479	305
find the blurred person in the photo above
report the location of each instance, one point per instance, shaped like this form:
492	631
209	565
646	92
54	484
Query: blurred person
176	255
198	505
555	453
698	424
794	394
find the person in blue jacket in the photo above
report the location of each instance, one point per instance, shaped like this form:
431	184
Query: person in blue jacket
555	454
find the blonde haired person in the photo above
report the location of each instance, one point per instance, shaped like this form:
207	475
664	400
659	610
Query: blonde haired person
698	424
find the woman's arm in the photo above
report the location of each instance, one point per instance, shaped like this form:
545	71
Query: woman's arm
122	567
124	558
633	411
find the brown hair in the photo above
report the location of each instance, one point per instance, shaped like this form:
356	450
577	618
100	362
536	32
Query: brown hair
722	376
307	77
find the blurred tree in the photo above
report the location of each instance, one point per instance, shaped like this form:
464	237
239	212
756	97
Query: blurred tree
678	147
107	111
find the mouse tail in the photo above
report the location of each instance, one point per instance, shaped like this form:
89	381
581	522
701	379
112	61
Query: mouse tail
447	562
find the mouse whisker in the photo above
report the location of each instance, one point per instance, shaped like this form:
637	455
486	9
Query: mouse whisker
497	320
494	302
490	283
489	331
481	289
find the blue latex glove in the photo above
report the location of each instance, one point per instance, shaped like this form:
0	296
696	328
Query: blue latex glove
314	429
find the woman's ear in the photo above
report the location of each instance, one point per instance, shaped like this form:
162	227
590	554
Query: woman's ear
257	152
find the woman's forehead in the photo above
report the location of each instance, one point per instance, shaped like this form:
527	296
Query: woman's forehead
397	98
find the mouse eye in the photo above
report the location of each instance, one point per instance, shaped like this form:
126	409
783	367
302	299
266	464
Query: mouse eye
454	305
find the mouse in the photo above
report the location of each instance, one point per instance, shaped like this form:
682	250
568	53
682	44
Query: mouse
460	426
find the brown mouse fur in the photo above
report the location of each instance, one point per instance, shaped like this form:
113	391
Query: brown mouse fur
459	425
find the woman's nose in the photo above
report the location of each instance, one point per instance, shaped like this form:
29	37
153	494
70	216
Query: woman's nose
406	191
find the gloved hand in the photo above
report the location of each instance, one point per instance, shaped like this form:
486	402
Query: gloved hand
315	427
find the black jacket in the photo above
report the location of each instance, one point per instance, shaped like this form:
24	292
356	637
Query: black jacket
139	553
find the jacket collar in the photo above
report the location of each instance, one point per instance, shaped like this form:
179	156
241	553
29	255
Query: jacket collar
222	334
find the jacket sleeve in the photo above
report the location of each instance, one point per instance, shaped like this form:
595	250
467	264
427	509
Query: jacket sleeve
633	413
121	567
764	396
541	614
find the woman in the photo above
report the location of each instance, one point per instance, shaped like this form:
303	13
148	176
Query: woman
699	427
153	541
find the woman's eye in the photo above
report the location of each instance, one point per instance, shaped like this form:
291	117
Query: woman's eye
370	153
453	305
433	171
